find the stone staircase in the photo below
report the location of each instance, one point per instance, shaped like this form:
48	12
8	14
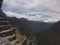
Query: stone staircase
6	31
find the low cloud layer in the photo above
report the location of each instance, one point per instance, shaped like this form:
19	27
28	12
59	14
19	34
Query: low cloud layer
43	10
35	17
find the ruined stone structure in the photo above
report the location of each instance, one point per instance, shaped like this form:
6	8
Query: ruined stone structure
6	31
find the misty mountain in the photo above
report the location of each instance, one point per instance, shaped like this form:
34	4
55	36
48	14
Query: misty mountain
45	33
29	27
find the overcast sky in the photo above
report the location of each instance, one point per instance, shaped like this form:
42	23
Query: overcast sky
39	10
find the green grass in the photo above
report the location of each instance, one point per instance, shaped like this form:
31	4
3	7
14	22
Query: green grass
19	36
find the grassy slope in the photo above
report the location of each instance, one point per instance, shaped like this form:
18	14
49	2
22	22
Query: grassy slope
19	36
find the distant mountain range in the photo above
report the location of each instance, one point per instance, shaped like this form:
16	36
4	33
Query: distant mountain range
45	33
30	27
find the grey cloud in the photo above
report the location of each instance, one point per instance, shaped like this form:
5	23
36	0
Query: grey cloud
21	7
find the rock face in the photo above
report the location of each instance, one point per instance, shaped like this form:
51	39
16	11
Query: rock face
6	31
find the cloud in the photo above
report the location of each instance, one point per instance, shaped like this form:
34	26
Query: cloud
30	5
34	17
39	7
12	14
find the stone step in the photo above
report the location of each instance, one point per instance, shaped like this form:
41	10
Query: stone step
4	31
8	33
10	36
3	19
15	41
5	28
13	38
4	23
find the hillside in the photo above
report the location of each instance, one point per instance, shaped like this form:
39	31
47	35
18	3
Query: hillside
45	33
50	36
29	27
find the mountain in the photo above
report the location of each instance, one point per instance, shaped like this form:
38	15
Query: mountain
30	28
45	33
50	36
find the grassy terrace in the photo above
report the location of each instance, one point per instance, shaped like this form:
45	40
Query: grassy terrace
19	36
